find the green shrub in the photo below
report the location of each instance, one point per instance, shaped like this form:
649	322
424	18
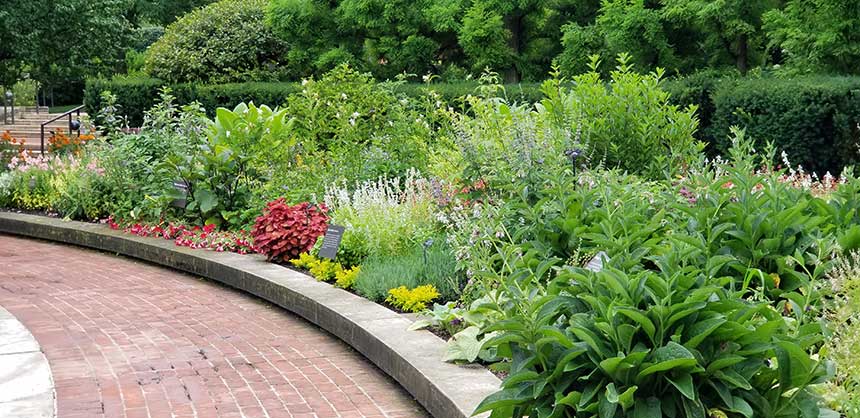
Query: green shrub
814	120
673	341
223	42
385	218
380	274
351	129
135	95
25	92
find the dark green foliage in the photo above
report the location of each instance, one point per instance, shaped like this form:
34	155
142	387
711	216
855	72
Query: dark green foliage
817	35
61	42
162	12
814	120
136	94
706	283
697	89
672	342
223	42
145	36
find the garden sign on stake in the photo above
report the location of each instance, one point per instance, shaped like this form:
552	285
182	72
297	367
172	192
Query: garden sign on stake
596	263
182	190
331	241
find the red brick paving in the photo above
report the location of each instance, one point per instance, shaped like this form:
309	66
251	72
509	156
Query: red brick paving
128	339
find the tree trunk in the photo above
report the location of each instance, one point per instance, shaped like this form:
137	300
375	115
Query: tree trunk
743	54
514	24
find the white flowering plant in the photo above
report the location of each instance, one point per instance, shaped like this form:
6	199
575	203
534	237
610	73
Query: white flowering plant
386	217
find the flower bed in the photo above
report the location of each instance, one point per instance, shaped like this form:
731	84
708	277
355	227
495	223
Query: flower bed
584	247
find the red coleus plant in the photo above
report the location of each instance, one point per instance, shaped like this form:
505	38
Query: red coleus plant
284	231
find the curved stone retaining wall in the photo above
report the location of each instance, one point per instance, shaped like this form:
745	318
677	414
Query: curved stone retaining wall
412	358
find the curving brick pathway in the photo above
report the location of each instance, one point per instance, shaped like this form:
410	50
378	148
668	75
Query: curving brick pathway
127	340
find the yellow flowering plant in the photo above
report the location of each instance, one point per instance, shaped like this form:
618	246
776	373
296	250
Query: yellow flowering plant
414	300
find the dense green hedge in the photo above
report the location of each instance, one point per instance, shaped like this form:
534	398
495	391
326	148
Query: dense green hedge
813	119
137	94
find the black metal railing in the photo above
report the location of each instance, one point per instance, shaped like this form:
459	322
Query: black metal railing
58	117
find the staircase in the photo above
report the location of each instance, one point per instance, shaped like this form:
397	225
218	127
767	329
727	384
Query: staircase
28	123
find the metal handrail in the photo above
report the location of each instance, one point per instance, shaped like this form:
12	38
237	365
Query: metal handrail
67	113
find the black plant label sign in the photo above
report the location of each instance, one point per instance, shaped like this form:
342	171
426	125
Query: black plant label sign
331	241
181	190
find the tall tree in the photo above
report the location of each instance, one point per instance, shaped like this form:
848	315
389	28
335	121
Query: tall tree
621	26
58	41
817	35
733	27
161	12
518	38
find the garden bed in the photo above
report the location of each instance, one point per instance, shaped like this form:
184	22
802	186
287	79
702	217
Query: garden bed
412	358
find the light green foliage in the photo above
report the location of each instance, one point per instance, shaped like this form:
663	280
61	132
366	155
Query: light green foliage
222	42
819	35
626	123
349	128
843	311
32	189
25	92
262	132
381	273
484	38
385	218
622	26
447	317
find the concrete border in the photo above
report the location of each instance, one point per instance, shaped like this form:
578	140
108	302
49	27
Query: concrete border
26	384
412	358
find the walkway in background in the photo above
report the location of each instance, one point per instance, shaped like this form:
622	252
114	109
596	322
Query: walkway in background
127	339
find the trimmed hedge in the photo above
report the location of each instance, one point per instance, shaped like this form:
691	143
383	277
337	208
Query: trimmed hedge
135	95
813	119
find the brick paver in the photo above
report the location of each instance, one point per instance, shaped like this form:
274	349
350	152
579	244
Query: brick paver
128	339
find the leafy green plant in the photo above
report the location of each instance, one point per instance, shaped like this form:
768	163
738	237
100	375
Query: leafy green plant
668	342
843	392
434	265
351	129
388	217
447	317
224	41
